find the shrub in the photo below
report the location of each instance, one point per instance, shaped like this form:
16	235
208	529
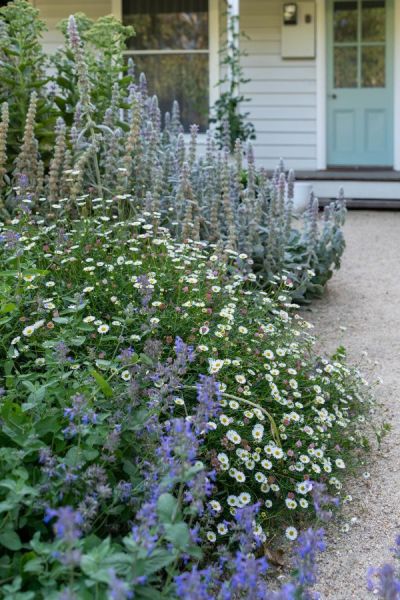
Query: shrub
102	42
23	72
105	409
134	164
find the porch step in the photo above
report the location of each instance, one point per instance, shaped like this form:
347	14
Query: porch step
359	187
353	174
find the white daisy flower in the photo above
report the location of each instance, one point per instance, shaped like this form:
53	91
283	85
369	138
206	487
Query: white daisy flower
233	436
28	331
125	375
215	505
232	501
225	420
222	528
258	432
277	453
103	328
291	533
215	365
89	319
211	536
244	498
303	487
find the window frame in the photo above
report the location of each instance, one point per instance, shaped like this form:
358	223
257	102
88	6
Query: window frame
213	48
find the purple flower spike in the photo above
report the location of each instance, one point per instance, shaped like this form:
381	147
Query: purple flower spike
68	526
384	583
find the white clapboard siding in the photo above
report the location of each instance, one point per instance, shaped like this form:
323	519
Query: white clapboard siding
282	92
54	11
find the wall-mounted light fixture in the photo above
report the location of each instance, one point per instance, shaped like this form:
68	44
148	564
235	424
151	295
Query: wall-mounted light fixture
298	29
290	14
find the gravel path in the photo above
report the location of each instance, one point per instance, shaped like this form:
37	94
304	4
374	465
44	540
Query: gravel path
364	297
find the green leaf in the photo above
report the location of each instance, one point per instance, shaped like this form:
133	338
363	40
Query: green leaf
78	340
102	383
146	360
149	593
10	539
178	534
167	508
34	566
47	425
7	505
8	367
61	320
6	308
94	564
159	559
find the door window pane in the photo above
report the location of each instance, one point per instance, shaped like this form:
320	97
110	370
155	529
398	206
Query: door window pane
167	24
373	66
345	67
182	77
345	21
373	21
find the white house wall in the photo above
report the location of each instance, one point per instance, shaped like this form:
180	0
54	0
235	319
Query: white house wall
282	91
53	11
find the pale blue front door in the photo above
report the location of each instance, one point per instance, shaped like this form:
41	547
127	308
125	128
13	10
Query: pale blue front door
360	83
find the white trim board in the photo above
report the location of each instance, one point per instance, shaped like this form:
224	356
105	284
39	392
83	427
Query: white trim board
365	190
396	85
321	75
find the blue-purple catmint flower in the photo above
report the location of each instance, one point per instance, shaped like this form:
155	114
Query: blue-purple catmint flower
310	543
117	588
321	499
208	403
384	582
196	584
68	524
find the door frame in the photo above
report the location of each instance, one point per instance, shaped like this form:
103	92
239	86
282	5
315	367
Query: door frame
322	83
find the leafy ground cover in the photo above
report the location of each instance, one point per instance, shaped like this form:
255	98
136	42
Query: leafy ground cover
154	406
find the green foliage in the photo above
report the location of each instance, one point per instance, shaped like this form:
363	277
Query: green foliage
89	314
103	44
231	123
23	71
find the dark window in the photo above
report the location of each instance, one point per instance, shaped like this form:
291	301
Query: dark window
171	47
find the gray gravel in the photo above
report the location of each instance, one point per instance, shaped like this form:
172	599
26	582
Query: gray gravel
364	298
